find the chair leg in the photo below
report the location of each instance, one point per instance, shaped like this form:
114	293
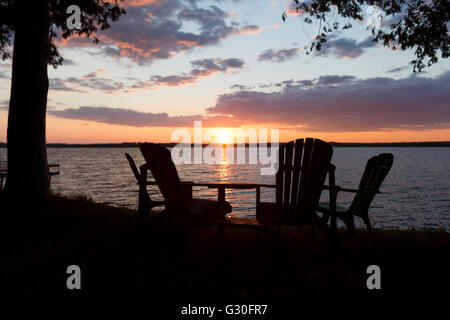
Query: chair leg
334	233
143	208
350	223
143	203
334	225
367	222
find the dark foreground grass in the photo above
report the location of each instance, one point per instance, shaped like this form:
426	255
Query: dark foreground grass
121	259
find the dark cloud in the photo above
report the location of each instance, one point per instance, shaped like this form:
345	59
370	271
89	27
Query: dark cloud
89	81
172	80
328	103
398	69
294	84
232	63
57	84
129	117
305	83
333	79
282	55
345	103
211	65
69	62
207	18
202	68
154	30
345	47
240	87
102	84
122	116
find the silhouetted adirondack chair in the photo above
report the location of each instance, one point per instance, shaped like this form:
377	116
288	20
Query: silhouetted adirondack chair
177	194
376	170
302	168
145	202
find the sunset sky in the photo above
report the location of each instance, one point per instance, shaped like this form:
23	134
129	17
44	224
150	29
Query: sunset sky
231	64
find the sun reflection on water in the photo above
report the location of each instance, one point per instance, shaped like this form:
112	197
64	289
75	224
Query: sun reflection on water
224	168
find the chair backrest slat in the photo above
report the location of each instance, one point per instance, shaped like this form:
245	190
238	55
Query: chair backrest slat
164	172
298	152
307	150
319	162
374	174
287	178
279	180
137	175
133	167
303	167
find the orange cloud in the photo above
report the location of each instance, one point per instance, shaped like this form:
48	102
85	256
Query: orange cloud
275	26
95	73
135	3
250	30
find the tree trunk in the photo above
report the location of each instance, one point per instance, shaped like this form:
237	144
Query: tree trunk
27	151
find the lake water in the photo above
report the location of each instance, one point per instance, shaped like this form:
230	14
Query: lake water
416	192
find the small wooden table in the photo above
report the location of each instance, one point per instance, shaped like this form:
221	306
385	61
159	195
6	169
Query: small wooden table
221	186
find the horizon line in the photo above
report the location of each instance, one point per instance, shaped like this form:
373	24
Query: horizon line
53	144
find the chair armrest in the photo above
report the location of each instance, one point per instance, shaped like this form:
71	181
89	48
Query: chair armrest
145	166
337	188
373	190
186	183
348	190
157	203
234	185
227	185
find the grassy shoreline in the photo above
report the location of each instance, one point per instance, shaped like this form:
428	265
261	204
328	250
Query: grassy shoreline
120	258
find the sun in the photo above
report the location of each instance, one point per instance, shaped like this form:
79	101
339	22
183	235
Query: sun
224	136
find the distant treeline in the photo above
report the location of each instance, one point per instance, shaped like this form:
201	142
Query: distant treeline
334	144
